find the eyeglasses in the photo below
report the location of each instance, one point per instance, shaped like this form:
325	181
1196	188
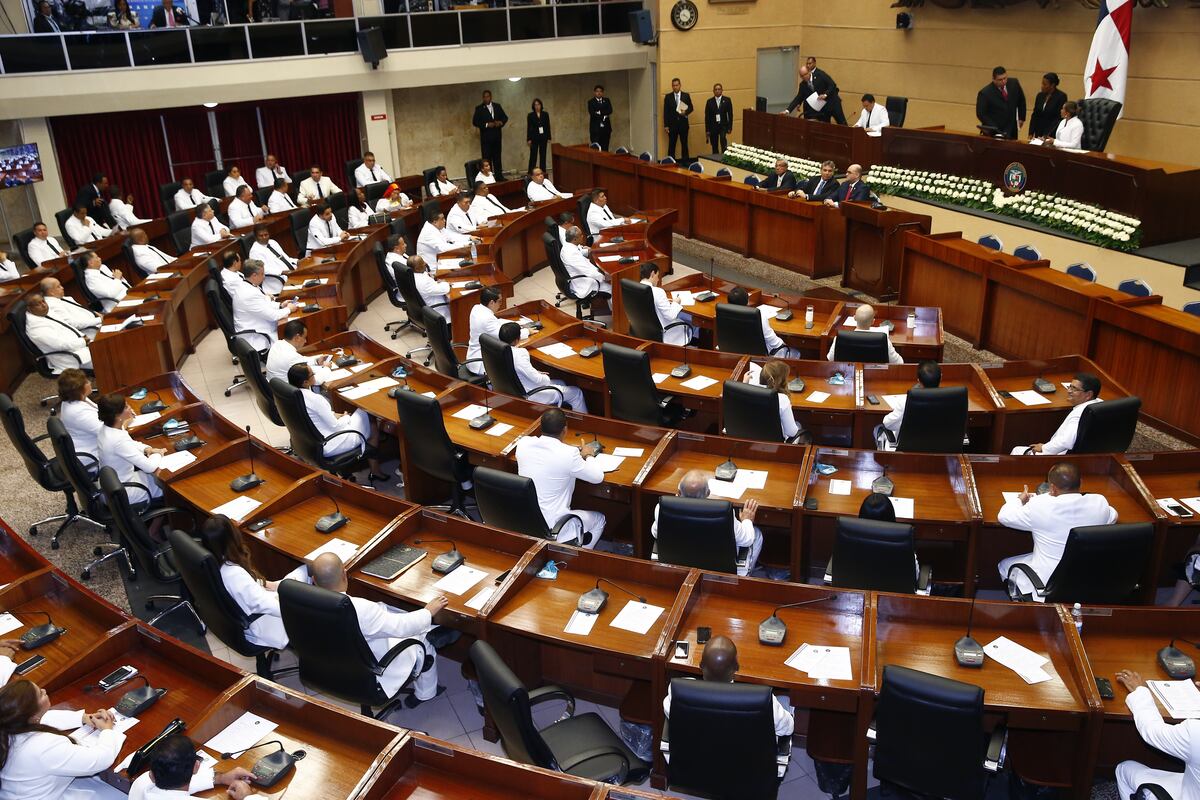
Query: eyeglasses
1073	389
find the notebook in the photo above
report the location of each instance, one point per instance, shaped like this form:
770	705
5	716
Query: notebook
393	562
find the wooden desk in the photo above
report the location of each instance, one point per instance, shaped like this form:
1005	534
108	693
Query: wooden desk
874	240
925	340
214	430
205	485
1173	474
810	138
884	380
17	558
711	364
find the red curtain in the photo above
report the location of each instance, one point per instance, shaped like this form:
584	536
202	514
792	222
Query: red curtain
237	125
314	130
128	147
191	142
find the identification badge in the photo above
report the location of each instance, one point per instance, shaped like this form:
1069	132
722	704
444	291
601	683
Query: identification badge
541	130
718	117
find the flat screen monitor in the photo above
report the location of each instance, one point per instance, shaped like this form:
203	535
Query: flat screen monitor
20	165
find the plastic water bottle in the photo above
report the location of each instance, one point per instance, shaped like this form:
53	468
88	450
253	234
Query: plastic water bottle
1077	616
474	252
808	316
912	320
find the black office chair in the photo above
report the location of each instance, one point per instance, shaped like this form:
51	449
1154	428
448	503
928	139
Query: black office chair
351	181
698	533
17	316
580	288
44	471
298	221
166	193
179	228
224	317
583	746
214	182
510	502
500	369
717	724
1108	426
224	618
392	290
414	303
634	396
739	330
1100	565
935	421
308	444
897	108
428	447
864	346
1098	115
638	299
323	630
252	371
876	555
61	218
262	196
294	181
22	239
79	270
338	201
429	210
929	736
374	191
471	169
752	412
442	350
341	215
581	208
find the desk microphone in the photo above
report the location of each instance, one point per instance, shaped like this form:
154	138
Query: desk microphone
772	630
883	484
248	481
154	405
537	321
332	521
484	420
727	470
684	369
1177	664
42	634
967	651
707	294
786	313
271	768
447	561
1044	386
594	447
135	701
593	349
395	391
594	600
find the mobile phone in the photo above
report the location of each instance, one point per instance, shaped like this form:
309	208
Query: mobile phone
703	634
28	664
500	578
681	650
1005	394
872	399
117	677
258	525
1104	686
1180	510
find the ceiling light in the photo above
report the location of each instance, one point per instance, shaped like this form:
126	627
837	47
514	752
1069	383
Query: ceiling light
514	80
210	105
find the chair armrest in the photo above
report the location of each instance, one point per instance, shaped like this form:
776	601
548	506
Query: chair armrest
597	752
400	647
40	438
78	360
435	305
666	400
829	570
550	388
924	578
742	556
135	485
1153	789
563	520
336	434
592	292
996	751
888	436
80	456
254	333
553	692
782	347
1038	586
158	512
664	742
675	324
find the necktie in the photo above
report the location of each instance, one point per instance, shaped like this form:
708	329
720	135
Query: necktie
319	192
608	213
211	228
373	174
289	199
820	186
869	117
1004	92
170	15
495	202
329	227
193	196
71	328
281	256
53	245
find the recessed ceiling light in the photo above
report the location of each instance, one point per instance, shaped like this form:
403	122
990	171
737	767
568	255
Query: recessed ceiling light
514	80
210	105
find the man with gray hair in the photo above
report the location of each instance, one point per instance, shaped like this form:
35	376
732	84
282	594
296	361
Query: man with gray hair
66	309
694	483
254	310
576	259
864	320
818	187
781	178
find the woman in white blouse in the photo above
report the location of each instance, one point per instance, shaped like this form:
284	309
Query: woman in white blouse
79	414
232	181
1070	130
485	174
775	376
127	457
441	184
38	762
393	200
359	212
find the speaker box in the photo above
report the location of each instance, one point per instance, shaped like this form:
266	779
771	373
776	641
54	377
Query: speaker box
370	44
641	28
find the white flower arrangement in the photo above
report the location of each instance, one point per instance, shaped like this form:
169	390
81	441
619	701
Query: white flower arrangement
762	161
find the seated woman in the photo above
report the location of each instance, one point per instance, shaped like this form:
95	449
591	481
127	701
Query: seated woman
348	431
441	184
359	212
485	174
775	376
79	415
133	461
878	507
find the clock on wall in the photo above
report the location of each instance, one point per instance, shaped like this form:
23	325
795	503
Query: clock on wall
685	15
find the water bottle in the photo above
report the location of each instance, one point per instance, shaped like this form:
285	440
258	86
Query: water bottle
1077	616
474	252
808	317
912	320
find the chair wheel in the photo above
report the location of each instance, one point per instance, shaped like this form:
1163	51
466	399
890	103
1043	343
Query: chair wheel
395	334
53	544
97	551
33	530
228	392
86	574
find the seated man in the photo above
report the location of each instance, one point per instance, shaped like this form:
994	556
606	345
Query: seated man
342	427
781	178
745	534
541	188
599	215
253	310
719	664
484	204
553	465
1181	741
316	187
66	309
148	258
483	320
83	229
276	262
566	221
818	187
1083	390
369	172
206	229
109	286
285	353
929	376
270	172
189	196
775	346
864	318
176	770
43	246
67	346
460	219
383	627
435	238
531	377
231	271
668	310
8	269
575	259
243	211
874	117
324	231
281	199
435	293
1050	517
120	208
852	190
397	253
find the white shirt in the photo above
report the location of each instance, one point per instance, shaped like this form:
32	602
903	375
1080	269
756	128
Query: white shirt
264	177
254	311
433	241
785	724
206	231
242	214
787	419
481	178
203	779
483	320
578	264
874	119
81	420
281	357
1181	741
1064	438
128	458
1069	133
254	598
743	529
381	625
357	218
893	356
462	221
67	310
309	190
364	176
487	206
320	411
432	291
108	290
185	200
599	218
231	184
895	418
87	230
7	668
42	250
231	279
438	187
766	314
123	214
148	258
531	377
553	466
1050	518
536	192
668	311
397	201
280	201
41	766
48	334
275	261
323	233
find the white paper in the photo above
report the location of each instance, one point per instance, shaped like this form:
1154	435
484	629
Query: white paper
838	486
339	547
815	102
637	617
822	662
470	412
136	301
9	623
633	452
557	350
731	490
499	429
817	397
1181	699
805	657
429	394
580	623
699	383
1166	502
111	328
63	719
1019	659
176	461
609	259
448	263
1192	502
360	367
245	731
1011	497
609	462
238	508
659	377
481	597
752	478
459	284
337	374
369	387
903	507
895	400
1030	398
683	297
608	244
158	276
142	419
89	736
460	580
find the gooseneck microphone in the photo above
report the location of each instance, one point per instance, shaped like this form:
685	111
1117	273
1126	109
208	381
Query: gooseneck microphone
248	481
484	420
271	768
772	630
154	405
42	634
967	651
448	561
726	470
333	520
594	600
785	313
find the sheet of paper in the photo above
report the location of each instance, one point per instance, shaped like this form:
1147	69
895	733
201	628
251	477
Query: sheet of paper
448	263
459	284
894	400
636	617
557	350
89	736
429	394
634	452
1181	699
730	490
339	547
805	657
63	719
1011	497
580	623
460	580
838	486
238	508
499	429
1165	504
608	244
814	102
142	419
337	374
659	377
176	461
1018	658
683	297
752	478
1192	502
159	276
699	383
369	387
609	462
833	666
903	507
817	397
607	259
9	623
111	328
135	301
470	412
360	367
481	597
1029	397
245	731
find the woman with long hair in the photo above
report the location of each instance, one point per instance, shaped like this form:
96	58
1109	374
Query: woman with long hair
358	213
775	376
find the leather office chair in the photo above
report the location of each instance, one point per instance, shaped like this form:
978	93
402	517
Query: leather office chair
645	156
308	444
1192	308
638	299
897	108
714	726
427	177
580	288
351	181
751	180
991	242
935	421
179	227
442	350
263	196
338	201
323	630
214	182
61	218
876	556
471	169
166	193
502	373
751	412
429	211
694	532
1108	426
1098	115
428	446
374	192
414	304
583	746
1082	270
391	289
510	502
696	166
224	618
342	215
298	221
1028	252
865	346
224	317
294	182
17	316
634	396
252	370
929	736
1100	565
581	208
133	533
1136	287
739	330
22	239
80	271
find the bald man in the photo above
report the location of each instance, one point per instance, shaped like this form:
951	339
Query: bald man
719	664
384	627
852	189
146	257
66	309
864	320
694	483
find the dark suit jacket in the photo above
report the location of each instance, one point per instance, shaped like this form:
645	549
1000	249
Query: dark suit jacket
599	115
776	181
858	191
724	108
42	25
482	118
821	83
672	118
992	109
1045	117
532	123
159	18
809	187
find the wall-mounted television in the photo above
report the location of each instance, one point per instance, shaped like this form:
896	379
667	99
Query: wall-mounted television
20	165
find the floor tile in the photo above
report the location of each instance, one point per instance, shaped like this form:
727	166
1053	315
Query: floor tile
464	706
435	717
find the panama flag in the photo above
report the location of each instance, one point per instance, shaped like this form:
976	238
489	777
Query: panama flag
1107	64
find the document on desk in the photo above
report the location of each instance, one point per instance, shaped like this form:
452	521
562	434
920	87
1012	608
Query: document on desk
481	597
683	297
768	307
368	387
499	429
1029	397
580	623
699	383
1191	502
470	412
607	259
1011	497
9	623
62	719
636	452
895	400
339	547
245	731
159	276
336	375
136	301
448	263
238	508
141	419
609	462
460	580
817	397
357	368
1019	659
731	490
557	350
1180	699
176	461
903	506
822	662
839	486
637	617
89	736
659	377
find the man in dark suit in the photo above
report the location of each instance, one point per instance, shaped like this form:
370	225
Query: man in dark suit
490	119
1047	107
781	178
853	189
677	107
600	111
819	187
818	83
718	119
91	196
45	22
168	16
1000	106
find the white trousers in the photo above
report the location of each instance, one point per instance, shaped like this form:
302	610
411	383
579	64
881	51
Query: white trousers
593	523
571	394
1131	774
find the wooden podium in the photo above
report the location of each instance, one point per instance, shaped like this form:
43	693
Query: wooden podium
874	246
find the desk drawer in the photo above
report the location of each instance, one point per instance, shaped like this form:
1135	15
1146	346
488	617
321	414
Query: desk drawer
623	666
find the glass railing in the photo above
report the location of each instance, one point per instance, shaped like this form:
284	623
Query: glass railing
410	27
